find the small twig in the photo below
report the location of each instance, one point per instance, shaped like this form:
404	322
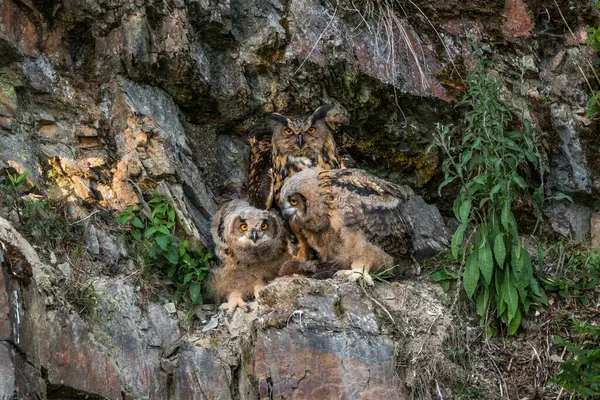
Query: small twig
502	380
427	332
299	313
317	41
83	219
536	354
66	253
437	389
577	42
441	40
460	272
378	303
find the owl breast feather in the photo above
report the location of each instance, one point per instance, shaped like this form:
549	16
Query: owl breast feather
301	162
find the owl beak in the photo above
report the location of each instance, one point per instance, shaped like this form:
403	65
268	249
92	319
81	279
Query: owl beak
300	140
288	212
254	235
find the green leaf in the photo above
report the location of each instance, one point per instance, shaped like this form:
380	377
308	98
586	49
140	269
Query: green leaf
21	178
457	240
163	229
562	196
171	214
499	249
171	271
159	210
514	323
511	297
183	247
187	278
526	271
482	302
520	181
471	275
162	241
195	293
446	182
150	231
540	295
486	263
137	222
463	213
505	216
480	179
465	157
156	200
137	235
173	256
445	286
439	275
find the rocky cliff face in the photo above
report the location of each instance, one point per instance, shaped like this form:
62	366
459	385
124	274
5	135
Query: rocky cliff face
109	98
303	339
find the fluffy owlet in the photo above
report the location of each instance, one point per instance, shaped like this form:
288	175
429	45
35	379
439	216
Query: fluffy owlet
351	218
251	244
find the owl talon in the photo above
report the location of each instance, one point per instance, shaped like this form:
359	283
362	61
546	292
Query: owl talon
354	275
232	304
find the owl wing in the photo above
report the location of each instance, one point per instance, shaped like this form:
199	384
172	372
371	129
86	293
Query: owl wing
259	171
371	205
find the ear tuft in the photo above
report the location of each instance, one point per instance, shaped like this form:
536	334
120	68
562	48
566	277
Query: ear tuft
320	113
275	118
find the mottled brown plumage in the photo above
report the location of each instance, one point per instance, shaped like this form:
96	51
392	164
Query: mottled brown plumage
260	171
251	245
350	217
300	142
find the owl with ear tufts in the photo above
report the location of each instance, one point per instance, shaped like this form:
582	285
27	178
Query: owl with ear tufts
351	218
251	244
299	142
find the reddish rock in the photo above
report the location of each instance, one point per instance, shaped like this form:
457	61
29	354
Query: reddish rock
517	21
62	344
580	37
313	365
5	329
7	372
201	375
17	30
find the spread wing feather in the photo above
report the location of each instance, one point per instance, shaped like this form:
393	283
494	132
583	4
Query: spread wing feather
371	205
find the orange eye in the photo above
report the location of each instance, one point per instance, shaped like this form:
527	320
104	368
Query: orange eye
312	130
288	131
293	202
264	226
244	227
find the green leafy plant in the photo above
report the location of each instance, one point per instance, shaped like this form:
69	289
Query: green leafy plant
445	277
593	41
14	190
498	274
83	297
581	371
576	272
155	235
